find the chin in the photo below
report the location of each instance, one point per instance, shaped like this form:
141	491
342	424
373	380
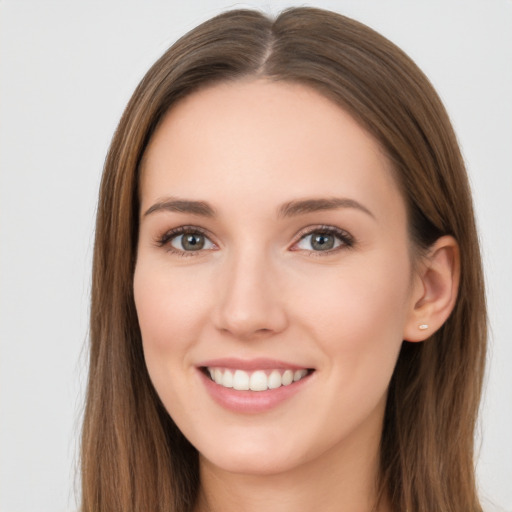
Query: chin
245	462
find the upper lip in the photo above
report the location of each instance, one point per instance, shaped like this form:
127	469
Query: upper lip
250	364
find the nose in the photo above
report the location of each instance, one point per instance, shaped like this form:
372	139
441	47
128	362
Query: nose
250	303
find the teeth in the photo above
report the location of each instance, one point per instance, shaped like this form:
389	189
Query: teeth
240	380
287	378
259	380
274	380
227	379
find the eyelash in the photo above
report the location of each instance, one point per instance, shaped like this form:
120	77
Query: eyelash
346	239
168	236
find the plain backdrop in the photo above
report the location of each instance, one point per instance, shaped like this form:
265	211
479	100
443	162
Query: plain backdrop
67	69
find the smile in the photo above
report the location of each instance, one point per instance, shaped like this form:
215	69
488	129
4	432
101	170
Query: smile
253	386
259	380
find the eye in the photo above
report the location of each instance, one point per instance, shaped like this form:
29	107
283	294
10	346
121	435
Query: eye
191	242
186	240
324	239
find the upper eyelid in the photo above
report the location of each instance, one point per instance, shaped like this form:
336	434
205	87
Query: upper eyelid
308	230
181	230
187	229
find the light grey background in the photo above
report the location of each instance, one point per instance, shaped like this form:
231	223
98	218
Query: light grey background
67	69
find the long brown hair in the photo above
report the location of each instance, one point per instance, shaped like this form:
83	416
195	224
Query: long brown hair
133	456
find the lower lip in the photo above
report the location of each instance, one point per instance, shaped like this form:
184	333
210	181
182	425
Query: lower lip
251	402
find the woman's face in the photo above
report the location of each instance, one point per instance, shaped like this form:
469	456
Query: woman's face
273	254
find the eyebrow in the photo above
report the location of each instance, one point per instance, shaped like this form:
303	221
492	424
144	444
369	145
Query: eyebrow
303	206
289	209
172	204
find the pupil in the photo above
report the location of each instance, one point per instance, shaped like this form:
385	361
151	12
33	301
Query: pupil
322	242
193	242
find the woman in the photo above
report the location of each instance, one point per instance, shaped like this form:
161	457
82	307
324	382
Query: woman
288	308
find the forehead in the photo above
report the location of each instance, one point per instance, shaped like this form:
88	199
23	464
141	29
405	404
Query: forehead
266	141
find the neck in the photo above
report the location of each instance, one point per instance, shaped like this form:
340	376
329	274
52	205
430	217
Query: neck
341	480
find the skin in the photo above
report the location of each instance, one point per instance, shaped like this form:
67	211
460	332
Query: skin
259	289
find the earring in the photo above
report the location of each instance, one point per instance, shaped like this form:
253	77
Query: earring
423	327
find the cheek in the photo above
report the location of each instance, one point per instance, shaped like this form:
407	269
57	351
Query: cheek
358	314
171	311
171	308
356	319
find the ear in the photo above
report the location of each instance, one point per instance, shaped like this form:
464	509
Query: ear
435	288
